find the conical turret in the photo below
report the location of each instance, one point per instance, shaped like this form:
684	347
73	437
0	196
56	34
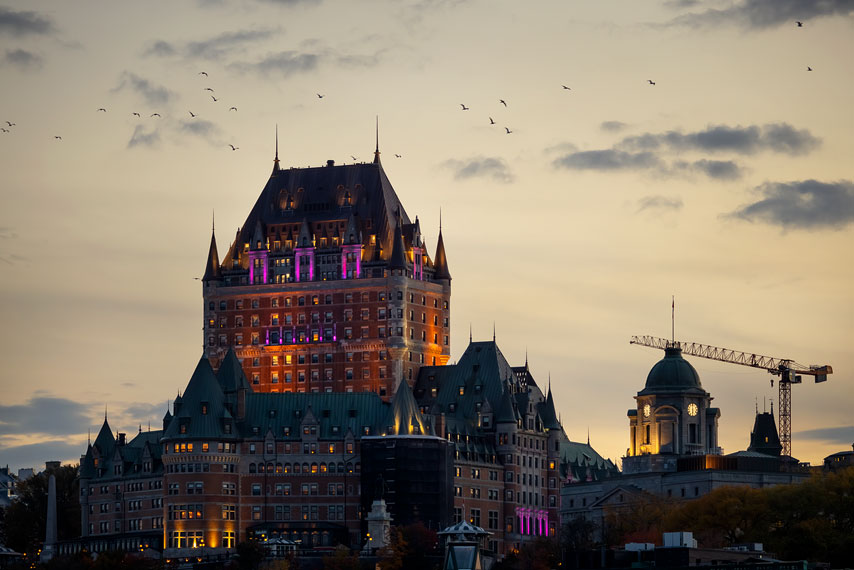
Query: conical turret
212	271
398	254
441	261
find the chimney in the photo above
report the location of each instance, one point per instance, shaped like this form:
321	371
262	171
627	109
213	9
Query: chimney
122	438
330	162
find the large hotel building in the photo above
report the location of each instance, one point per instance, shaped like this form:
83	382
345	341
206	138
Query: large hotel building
325	385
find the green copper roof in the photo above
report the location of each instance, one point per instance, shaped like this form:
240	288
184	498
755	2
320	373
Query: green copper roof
672	374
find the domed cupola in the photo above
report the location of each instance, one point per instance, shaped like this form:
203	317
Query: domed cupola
672	374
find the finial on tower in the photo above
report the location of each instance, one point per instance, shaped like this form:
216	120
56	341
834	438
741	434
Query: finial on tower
276	160
493	331
377	151
469	333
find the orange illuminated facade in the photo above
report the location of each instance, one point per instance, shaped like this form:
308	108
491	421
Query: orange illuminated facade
328	286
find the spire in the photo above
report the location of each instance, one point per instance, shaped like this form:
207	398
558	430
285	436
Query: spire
441	263
212	272
276	160
398	253
377	151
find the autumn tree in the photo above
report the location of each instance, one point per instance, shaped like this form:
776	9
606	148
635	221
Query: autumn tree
726	516
640	519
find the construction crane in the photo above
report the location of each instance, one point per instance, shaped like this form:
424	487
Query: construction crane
788	371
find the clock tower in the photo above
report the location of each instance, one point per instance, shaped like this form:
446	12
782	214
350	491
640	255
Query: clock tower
673	416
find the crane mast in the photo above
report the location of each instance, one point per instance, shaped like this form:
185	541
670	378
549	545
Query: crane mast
788	371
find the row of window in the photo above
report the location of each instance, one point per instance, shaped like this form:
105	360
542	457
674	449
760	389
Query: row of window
296	468
303	300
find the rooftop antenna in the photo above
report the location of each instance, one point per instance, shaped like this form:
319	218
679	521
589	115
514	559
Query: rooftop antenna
377	151
493	331
673	320
276	160
469	333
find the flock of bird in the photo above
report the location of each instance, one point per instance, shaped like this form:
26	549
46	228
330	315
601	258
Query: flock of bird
215	99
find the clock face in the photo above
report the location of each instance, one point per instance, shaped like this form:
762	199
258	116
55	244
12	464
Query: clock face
692	409
646	410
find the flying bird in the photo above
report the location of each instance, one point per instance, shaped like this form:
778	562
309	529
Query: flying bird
565	87
205	73
809	68
491	122
234	147
354	158
233	109
214	98
651	82
135	113
4	130
209	89
57	137
11	124
800	24
397	156
101	109
502	102
508	130
155	114
192	114
319	96
464	107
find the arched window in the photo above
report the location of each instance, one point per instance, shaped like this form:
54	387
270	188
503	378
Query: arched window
314	467
323	467
269	468
287	467
305	468
332	468
296	468
252	468
278	468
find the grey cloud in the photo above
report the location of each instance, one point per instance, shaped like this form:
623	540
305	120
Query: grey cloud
608	159
481	167
612	126
763	14
807	204
44	415
285	63
219	46
717	169
160	48
141	137
203	129
776	137
659	203
24	59
291	2
842	435
35	454
23	23
152	94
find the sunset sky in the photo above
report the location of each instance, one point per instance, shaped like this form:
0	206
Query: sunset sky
687	148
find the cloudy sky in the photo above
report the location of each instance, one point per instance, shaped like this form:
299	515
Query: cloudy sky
646	150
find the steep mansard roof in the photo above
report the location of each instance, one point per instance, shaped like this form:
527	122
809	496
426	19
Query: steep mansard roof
230	374
334	413
404	415
324	193
580	462
201	411
145	446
